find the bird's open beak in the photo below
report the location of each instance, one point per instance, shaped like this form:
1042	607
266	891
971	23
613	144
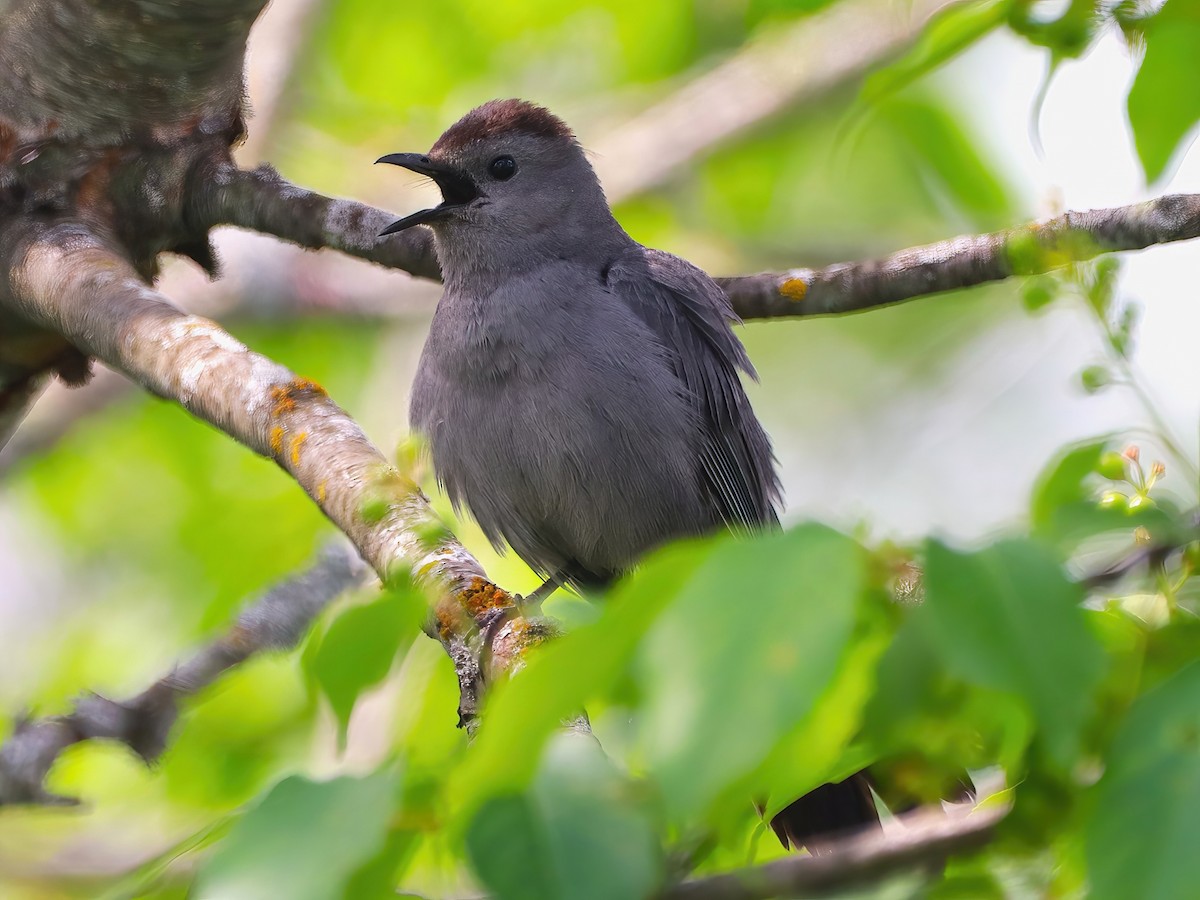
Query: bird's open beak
457	189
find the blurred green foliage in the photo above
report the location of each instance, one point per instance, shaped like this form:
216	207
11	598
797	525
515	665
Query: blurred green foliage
724	671
1164	102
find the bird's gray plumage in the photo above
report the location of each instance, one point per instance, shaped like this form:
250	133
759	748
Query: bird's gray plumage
580	393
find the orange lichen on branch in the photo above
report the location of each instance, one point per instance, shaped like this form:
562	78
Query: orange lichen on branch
451	619
481	595
297	442
286	396
794	289
276	440
241	639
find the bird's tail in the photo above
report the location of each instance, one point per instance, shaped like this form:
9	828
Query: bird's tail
831	811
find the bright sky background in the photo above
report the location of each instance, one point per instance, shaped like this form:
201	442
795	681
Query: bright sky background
958	454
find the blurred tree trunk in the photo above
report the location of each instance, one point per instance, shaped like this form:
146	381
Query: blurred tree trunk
107	111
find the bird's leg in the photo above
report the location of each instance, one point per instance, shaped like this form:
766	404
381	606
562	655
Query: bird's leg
549	586
493	620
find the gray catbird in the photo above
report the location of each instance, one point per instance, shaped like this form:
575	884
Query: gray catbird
580	393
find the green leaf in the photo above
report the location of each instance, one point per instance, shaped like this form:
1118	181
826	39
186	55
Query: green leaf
811	755
1164	101
574	835
1141	837
1061	484
523	713
927	727
743	655
1094	379
302	842
360	646
377	879
1007	618
1066	37
1039	291
948	34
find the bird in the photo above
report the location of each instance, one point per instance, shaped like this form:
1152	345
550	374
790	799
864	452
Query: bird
580	393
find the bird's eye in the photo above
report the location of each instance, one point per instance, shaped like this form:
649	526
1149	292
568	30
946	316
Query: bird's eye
502	168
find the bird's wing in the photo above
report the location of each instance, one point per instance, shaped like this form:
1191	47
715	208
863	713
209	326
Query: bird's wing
692	318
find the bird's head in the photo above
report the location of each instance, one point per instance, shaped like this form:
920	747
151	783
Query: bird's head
512	177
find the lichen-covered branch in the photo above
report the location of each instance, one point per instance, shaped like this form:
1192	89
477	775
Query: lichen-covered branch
965	261
274	622
67	280
117	123
920	840
63	278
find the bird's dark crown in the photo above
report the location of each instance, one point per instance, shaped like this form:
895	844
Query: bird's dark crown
500	117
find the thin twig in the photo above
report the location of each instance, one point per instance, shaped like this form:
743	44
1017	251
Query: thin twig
921	840
276	621
1153	554
965	261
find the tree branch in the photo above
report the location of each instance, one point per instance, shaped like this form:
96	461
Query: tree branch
925	840
1152	554
275	40
260	200
75	68
965	261
65	279
779	71
62	277
276	621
